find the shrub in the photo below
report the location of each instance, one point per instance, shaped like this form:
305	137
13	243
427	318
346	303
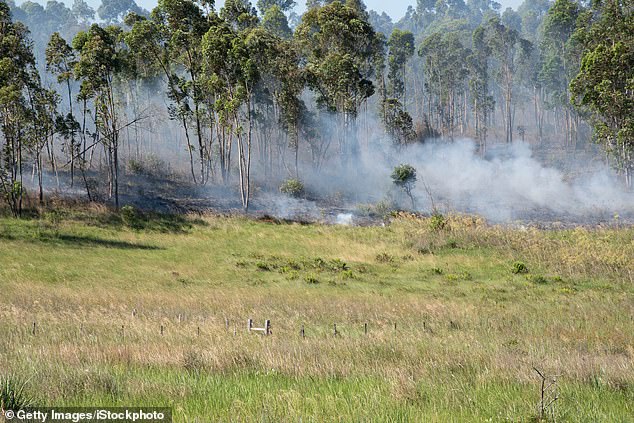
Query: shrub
538	279
13	394
518	268
311	279
384	258
348	274
292	275
437	222
130	216
292	187
261	265
404	177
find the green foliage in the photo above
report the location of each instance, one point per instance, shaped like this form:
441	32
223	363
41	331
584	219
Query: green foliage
13	393
293	188
436	271
130	216
384	258
401	49
437	222
261	265
605	83
537	279
404	177
519	267
311	279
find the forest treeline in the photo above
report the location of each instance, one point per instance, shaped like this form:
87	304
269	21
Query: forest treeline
259	84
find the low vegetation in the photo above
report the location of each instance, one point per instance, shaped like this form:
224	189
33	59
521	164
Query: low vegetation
457	316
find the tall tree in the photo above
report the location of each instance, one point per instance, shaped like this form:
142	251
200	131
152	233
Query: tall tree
561	60
340	46
113	11
181	25
509	49
17	79
232	75
605	83
101	58
482	100
401	49
446	72
60	61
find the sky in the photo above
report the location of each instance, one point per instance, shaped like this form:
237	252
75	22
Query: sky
395	8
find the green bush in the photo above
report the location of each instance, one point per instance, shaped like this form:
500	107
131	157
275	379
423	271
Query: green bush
311	279
538	279
292	187
261	265
384	258
130	216
13	394
437	222
348	274
519	268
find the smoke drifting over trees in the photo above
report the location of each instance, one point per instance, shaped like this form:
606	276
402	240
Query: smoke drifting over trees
495	110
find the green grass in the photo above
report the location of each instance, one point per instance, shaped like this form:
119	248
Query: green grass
469	327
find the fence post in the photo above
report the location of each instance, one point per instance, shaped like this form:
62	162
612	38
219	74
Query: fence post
335	330
162	329
267	327
302	332
33	330
365	327
249	325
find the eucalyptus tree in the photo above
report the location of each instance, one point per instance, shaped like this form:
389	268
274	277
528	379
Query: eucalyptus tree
43	106
113	11
446	73
479	80
508	49
17	70
83	12
275	21
60	61
231	75
176	30
101	58
339	45
278	96
561	60
401	49
604	86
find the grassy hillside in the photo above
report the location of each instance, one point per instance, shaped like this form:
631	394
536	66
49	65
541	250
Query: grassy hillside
458	313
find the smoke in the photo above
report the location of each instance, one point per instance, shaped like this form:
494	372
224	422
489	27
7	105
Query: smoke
510	184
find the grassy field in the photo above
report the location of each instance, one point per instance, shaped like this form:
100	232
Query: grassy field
458	314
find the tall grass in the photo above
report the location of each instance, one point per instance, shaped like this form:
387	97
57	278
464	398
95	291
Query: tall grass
468	328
